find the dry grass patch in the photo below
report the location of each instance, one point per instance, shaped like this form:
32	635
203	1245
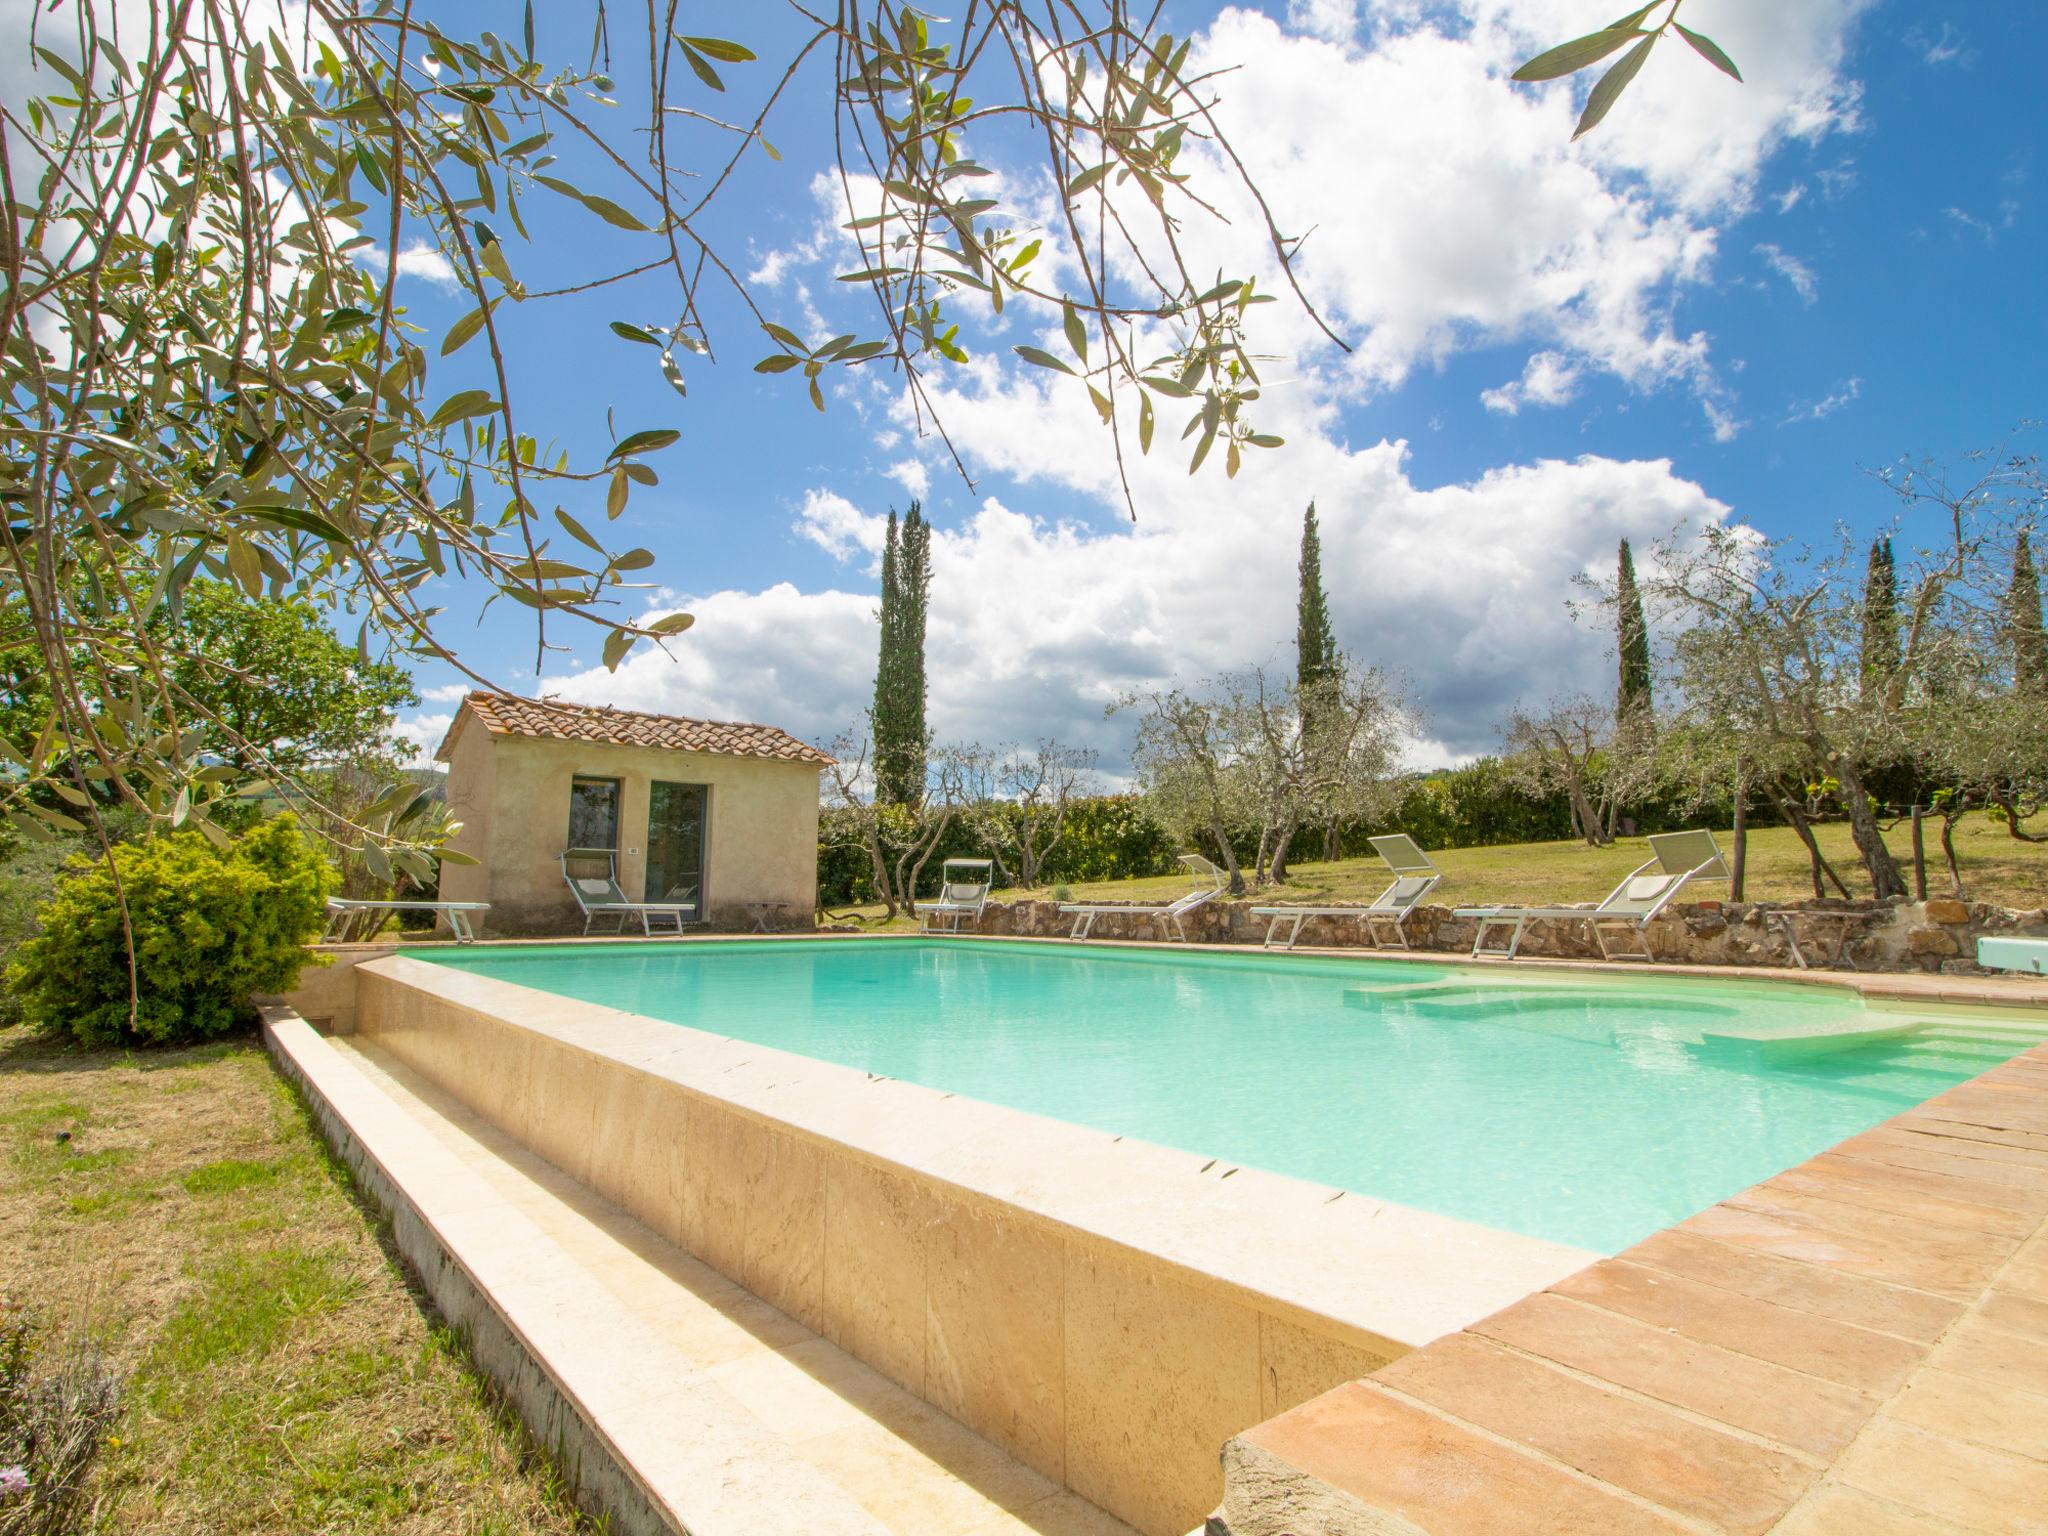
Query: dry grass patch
281	1376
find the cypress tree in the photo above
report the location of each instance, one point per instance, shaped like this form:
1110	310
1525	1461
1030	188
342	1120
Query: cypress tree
1880	616
898	718
885	693
2023	621
1632	640
1315	643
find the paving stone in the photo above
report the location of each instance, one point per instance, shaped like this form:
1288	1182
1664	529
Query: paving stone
1676	1462
1936	1121
2015	1313
1927	1138
1847	1298
1833	1510
2027	1274
1852	1357
1969	1484
1970	1249
1974	1348
1943	1260
1914	1193
1965	1408
1808	1415
1441	1477
1976	1179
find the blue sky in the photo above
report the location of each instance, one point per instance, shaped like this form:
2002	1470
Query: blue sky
1731	301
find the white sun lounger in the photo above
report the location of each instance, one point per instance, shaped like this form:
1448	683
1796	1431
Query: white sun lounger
599	896
1414	878
347	917
1681	857
1084	913
963	891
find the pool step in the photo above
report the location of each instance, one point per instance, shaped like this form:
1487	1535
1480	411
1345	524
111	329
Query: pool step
1987	1035
736	1419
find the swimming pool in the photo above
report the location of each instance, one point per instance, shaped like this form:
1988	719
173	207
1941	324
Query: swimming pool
1585	1111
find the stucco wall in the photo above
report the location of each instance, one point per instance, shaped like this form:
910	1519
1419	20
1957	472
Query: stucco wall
472	782
512	795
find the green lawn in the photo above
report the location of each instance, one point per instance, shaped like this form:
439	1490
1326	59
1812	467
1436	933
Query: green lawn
280	1377
1995	866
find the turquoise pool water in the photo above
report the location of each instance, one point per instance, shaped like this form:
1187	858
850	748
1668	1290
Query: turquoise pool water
1587	1113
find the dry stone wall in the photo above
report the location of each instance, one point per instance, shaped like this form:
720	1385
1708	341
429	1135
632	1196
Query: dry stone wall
1924	936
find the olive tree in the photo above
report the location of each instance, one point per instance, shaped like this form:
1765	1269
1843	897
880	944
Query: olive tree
209	373
1194	763
1325	752
1768	645
1032	790
899	838
1555	748
1259	756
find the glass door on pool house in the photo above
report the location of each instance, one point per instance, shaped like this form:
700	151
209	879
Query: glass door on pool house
676	815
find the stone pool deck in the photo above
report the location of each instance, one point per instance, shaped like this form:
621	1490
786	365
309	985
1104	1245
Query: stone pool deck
1856	1347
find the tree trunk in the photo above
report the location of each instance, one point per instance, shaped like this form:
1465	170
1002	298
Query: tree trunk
1796	815
1919	854
1229	857
1885	879
884	886
1739	863
1584	818
1948	851
921	852
1333	841
1277	870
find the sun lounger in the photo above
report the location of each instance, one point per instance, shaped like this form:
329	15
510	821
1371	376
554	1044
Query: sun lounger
599	896
1415	876
348	917
1680	858
963	892
1171	913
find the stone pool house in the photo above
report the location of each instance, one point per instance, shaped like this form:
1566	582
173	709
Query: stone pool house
718	813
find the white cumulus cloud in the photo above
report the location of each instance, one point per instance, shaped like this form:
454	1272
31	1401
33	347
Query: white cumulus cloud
1036	625
1792	269
1550	378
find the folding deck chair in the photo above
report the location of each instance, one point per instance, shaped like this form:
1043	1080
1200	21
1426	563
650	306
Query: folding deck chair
1084	913
1414	878
1680	858
963	891
349	920
599	896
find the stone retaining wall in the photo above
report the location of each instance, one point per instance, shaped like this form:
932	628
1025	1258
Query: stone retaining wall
1935	935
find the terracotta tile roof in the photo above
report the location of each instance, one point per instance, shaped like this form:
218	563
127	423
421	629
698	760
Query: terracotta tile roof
503	715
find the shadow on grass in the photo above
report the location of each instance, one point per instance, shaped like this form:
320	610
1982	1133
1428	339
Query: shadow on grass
25	1048
533	1458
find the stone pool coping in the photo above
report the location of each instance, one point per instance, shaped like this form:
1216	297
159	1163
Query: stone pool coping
1858	1344
1010	1268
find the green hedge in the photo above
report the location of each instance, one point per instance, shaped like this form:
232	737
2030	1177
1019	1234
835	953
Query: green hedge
213	927
1108	837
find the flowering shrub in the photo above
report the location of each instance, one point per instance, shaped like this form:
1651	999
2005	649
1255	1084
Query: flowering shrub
54	1420
212	926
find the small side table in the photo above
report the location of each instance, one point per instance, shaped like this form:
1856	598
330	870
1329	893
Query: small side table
766	912
1845	926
